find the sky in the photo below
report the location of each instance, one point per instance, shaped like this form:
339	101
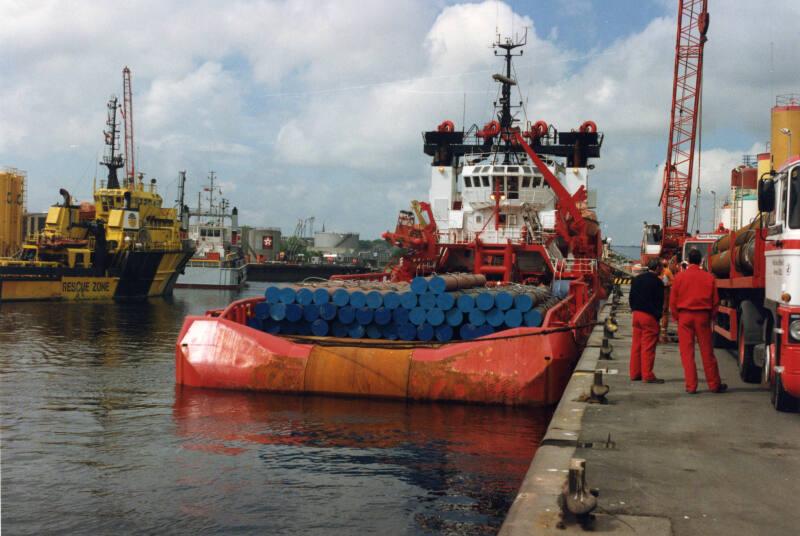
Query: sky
315	108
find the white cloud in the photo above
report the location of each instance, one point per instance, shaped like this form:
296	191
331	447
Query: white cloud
317	107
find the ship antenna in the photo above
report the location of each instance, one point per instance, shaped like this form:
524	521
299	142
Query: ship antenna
506	118
508	45
111	159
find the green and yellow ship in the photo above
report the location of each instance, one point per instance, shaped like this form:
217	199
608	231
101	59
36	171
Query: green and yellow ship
124	246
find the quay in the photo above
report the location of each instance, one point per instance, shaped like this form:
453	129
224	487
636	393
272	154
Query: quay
664	462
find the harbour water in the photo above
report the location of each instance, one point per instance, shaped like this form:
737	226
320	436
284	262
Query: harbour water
97	439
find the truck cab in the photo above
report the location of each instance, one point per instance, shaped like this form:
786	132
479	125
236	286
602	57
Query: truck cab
780	354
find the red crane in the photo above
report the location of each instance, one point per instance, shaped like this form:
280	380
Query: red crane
693	22
127	115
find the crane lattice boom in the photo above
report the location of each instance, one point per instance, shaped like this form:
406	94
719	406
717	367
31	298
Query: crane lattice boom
127	114
675	197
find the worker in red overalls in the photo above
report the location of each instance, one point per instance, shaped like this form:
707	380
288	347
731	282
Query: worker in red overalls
693	301
647	304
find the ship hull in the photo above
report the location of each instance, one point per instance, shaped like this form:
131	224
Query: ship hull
134	275
212	277
523	366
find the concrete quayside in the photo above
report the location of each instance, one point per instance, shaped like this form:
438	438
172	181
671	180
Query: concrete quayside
660	461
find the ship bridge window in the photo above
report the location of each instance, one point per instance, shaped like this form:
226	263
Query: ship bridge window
512	169
526	169
526	182
485	181
499	184
468	182
513	187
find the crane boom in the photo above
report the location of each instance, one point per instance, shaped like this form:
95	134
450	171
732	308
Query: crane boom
693	22
127	115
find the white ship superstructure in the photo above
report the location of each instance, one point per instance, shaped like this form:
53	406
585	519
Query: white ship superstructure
497	202
219	261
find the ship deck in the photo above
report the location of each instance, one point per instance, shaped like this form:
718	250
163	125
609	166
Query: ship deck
675	463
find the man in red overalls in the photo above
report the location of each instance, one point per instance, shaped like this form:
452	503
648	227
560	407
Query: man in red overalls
647	303
692	302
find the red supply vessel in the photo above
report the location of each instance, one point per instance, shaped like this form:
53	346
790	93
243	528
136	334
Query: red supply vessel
508	204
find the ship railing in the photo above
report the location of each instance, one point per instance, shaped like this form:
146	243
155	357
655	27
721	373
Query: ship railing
491	236
20	263
576	265
204	262
238	311
559	314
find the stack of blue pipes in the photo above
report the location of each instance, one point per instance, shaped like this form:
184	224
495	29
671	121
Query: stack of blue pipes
438	308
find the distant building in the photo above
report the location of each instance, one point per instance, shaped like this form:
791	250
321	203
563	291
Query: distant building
261	243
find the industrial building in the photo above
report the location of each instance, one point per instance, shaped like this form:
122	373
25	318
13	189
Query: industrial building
12	208
262	244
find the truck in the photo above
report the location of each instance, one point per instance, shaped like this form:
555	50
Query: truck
758	279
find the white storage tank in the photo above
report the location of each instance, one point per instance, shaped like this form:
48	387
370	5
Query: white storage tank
330	242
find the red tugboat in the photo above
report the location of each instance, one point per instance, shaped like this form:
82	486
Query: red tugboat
501	206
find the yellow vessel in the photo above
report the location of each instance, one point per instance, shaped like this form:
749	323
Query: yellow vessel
124	246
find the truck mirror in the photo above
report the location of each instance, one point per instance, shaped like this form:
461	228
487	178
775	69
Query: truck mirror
766	195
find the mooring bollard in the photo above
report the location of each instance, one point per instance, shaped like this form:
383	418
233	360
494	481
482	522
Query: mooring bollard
606	349
609	328
577	501
599	390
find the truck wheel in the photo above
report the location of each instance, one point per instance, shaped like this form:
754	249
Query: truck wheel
782	400
748	371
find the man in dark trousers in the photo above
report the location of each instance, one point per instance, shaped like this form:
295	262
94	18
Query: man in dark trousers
693	301
647	303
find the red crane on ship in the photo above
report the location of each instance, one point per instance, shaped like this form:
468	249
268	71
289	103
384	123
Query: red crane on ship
127	115
693	21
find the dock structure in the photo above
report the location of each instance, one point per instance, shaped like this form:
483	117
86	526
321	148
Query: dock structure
662	462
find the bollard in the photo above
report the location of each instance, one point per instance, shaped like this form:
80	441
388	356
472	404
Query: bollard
606	349
609	328
577	501
598	390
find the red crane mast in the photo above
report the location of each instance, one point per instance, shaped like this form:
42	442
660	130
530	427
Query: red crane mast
127	115
693	22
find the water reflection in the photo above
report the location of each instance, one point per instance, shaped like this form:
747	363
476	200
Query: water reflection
458	466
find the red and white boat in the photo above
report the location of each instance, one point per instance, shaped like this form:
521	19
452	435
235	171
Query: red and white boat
506	201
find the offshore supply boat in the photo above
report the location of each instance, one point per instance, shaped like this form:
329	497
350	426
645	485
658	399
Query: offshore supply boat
218	262
125	245
503	209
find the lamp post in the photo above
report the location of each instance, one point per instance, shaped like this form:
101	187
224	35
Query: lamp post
714	210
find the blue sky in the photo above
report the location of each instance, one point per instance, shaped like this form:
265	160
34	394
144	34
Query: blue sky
316	108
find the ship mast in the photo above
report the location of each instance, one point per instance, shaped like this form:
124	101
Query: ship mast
111	159
505	116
